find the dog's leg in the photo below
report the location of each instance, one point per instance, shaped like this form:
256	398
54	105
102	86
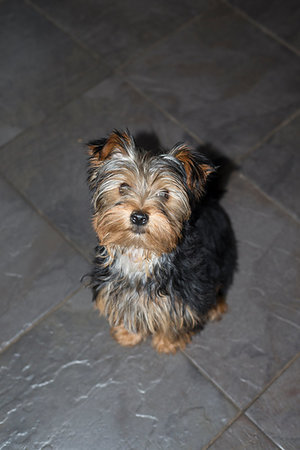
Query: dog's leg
124	337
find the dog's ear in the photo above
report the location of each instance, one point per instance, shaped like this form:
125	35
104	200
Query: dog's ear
197	168
119	144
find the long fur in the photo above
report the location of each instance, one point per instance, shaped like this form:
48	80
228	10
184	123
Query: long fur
162	279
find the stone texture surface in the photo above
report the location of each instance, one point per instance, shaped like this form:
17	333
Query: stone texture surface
39	269
243	434
90	393
277	410
282	18
118	31
194	71
278	176
230	84
41	68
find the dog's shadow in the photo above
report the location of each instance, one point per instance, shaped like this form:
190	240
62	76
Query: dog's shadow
225	166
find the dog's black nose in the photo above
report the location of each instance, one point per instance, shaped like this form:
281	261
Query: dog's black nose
139	218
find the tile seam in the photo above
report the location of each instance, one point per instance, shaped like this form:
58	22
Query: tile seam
46	219
164	112
270	199
222	431
240	159
48	17
271	382
262	28
55	111
39	320
94	53
213	382
154	44
243	411
241	414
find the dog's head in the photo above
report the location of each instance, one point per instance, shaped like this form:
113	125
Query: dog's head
142	199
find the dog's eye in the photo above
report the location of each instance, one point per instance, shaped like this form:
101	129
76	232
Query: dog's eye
123	189
163	195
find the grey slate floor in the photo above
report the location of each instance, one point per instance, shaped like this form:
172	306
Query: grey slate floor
226	72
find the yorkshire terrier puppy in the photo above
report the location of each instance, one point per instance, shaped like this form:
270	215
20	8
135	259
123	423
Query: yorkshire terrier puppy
167	252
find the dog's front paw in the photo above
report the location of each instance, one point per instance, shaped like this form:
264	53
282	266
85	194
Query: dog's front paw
124	337
164	344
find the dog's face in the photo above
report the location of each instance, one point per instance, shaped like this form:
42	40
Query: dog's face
142	199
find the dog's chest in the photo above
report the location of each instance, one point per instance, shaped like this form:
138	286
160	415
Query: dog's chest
135	265
131	296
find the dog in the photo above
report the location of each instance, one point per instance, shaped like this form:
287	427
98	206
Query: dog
167	252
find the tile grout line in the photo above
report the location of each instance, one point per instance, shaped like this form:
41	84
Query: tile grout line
245	408
273	380
46	219
223	430
95	54
39	320
164	112
213	382
46	16
270	199
154	44
220	434
53	113
223	392
241	411
268	136
262	28
229	425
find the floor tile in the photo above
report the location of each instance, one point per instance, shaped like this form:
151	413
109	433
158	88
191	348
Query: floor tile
261	332
277	410
222	78
68	385
275	167
41	68
49	162
39	269
118	31
243	434
282	18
